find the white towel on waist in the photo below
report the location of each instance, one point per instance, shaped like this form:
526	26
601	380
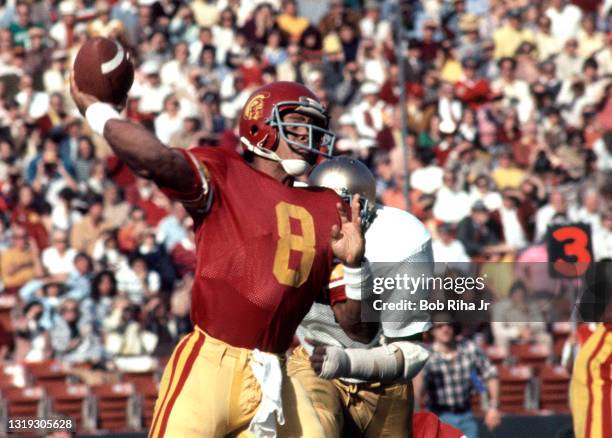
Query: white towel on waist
267	370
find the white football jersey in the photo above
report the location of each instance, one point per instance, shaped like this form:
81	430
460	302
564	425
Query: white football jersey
394	236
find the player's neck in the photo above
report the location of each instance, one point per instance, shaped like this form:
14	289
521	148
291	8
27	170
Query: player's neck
272	169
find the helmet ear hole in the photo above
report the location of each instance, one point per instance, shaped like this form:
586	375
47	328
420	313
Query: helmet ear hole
253	129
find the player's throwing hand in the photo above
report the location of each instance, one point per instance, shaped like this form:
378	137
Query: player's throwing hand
347	241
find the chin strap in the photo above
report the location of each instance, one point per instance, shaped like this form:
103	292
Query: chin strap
293	167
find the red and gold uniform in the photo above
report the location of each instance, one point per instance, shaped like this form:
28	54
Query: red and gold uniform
591	384
263	256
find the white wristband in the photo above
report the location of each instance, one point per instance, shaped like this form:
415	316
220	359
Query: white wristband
356	281
97	114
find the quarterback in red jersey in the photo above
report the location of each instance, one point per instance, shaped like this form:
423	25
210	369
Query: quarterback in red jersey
265	252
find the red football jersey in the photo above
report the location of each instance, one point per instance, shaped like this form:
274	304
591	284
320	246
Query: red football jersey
263	253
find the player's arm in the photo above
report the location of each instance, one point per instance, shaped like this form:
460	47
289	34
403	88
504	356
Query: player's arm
348	245
396	361
136	146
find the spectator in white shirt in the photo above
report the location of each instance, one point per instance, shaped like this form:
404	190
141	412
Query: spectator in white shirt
516	92
557	207
481	191
170	120
602	238
58	258
565	18
174	73
152	93
368	114
452	204
137	282
590	211
446	248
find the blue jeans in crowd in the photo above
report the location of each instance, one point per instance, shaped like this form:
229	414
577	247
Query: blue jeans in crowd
465	422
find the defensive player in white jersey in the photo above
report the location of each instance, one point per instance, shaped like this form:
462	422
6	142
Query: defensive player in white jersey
359	389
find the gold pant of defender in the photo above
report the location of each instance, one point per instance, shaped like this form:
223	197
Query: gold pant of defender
371	410
208	390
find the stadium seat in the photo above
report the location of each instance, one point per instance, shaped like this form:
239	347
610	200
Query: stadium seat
48	374
496	354
531	355
560	333
114	406
138	378
147	396
513	388
554	389
23	402
72	402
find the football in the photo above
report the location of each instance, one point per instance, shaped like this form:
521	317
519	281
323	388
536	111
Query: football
103	69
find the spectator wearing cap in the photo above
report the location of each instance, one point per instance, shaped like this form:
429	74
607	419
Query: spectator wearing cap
479	233
62	32
347	135
465	163
372	25
516	92
428	44
368	114
447	249
55	73
470	43
85	232
510	36
547	44
152	92
20	262
452	203
565	19
290	22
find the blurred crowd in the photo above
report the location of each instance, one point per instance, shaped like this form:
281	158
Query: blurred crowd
509	129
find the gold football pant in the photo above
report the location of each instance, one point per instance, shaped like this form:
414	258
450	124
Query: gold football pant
366	409
208	390
591	386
